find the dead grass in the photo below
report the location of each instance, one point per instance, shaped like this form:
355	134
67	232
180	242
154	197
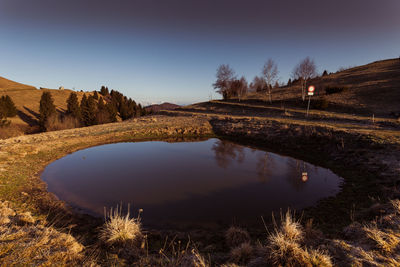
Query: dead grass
386	241
120	229
285	246
235	236
242	253
25	242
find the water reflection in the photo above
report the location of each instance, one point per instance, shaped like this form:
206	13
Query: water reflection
190	183
226	152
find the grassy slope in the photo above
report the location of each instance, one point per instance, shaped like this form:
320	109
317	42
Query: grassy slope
27	98
373	88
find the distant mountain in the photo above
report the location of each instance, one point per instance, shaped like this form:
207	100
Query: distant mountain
163	106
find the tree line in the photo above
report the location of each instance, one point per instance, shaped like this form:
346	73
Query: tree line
229	85
101	107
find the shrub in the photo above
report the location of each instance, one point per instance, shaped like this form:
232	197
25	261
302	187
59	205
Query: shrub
55	122
335	89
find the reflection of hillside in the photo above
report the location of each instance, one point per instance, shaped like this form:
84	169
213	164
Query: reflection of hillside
226	152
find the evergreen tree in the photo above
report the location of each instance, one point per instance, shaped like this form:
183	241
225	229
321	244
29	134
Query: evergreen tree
95	95
88	110
112	111
289	82
47	109
104	91
325	73
7	106
102	114
73	108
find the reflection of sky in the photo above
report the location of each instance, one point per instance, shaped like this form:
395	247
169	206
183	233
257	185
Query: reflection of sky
161	176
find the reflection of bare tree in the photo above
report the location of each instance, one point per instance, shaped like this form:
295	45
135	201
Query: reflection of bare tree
295	168
265	165
225	152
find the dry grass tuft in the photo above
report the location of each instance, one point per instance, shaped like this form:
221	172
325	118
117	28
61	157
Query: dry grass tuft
285	249
385	241
193	259
396	205
319	258
119	229
290	228
242	253
235	236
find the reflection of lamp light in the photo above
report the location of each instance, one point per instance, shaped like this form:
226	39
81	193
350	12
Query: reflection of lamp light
304	177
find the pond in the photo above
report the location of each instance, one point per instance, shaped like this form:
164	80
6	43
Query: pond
188	184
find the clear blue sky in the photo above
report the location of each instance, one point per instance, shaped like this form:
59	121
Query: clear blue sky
168	50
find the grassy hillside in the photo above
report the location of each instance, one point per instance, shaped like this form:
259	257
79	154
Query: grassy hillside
26	99
370	89
8	85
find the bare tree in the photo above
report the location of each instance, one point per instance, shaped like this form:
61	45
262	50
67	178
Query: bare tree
304	71
258	84
225	75
238	88
270	74
243	88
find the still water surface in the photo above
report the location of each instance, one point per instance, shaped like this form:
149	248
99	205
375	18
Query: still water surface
188	184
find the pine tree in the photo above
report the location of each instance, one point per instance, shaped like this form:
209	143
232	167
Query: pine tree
47	109
88	110
102	114
73	108
7	106
112	111
95	95
104	91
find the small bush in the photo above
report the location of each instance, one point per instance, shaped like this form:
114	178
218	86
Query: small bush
55	122
329	90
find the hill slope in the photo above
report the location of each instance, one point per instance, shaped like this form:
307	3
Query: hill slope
8	85
26	99
372	88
